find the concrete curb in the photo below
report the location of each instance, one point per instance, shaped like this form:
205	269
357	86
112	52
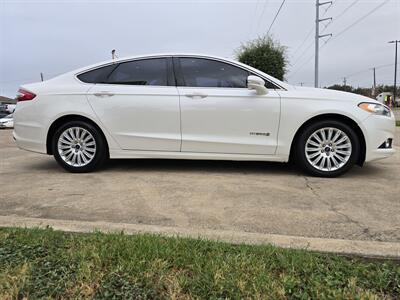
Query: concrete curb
344	247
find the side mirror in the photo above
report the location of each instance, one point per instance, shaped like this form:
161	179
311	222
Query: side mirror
258	84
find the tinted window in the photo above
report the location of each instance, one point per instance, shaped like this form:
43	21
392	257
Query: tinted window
141	72
198	72
97	76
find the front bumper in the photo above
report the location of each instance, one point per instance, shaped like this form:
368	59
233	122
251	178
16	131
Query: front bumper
377	130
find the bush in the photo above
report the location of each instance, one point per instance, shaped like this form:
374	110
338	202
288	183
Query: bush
264	54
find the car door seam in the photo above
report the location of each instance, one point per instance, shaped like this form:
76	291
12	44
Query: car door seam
98	118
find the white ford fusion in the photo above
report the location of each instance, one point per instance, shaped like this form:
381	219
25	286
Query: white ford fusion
197	107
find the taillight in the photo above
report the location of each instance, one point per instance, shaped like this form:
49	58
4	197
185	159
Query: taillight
24	95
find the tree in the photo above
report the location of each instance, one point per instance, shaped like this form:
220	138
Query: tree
264	54
360	90
338	87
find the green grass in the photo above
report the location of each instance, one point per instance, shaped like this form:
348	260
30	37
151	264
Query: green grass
397	123
36	263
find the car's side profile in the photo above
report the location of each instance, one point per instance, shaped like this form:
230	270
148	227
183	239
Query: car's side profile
197	107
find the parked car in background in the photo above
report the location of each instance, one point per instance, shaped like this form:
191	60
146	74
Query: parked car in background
8	108
197	107
3	114
386	97
7	121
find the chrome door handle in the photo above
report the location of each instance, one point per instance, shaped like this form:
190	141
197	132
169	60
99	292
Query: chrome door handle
196	96
103	94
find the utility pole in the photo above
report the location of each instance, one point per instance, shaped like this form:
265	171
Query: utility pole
374	86
318	36
395	71
344	81
374	79
41	76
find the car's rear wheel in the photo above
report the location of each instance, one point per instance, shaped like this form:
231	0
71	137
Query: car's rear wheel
79	147
327	148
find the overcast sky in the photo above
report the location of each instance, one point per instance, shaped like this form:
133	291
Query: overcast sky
54	37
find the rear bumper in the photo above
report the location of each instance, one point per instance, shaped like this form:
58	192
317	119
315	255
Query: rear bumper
29	133
377	130
27	138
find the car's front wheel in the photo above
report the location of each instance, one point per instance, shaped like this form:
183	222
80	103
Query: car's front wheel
327	148
79	147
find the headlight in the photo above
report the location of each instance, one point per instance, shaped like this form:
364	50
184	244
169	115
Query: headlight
374	108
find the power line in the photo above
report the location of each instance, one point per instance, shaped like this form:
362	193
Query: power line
313	28
301	66
368	70
304	41
328	8
346	9
262	13
326	42
311	31
308	36
326	25
309	58
251	29
360	19
343	31
276	16
384	66
355	74
302	53
355	23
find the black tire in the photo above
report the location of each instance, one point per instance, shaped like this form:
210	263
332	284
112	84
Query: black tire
101	148
303	162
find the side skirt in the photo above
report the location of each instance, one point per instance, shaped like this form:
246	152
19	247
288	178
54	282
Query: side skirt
121	154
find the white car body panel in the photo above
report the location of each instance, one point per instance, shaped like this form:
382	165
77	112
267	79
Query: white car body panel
302	104
229	120
161	122
140	117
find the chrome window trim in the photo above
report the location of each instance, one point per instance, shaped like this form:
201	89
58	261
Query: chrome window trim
177	56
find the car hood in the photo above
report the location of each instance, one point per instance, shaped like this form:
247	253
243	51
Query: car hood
327	94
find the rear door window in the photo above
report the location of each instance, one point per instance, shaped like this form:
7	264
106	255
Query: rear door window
141	72
99	75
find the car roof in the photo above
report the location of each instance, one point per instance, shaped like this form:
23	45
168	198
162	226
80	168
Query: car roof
167	54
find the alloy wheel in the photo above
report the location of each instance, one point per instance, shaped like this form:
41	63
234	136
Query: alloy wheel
76	146
328	149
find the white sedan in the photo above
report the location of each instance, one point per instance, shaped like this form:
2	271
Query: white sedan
197	107
7	121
